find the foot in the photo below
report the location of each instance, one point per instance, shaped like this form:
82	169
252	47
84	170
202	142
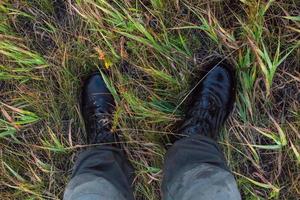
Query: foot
97	108
212	101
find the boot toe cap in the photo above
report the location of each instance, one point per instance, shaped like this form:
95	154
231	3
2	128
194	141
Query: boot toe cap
96	94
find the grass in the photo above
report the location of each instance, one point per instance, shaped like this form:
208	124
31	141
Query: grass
149	52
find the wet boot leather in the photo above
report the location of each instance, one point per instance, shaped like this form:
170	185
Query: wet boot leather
97	108
212	101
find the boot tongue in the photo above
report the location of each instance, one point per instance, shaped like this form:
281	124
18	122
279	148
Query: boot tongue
195	127
105	137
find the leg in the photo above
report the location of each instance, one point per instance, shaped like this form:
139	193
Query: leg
195	169
101	173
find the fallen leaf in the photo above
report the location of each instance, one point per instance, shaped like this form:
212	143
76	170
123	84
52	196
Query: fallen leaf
101	53
107	63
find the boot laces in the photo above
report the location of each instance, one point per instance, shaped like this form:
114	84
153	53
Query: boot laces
102	123
205	116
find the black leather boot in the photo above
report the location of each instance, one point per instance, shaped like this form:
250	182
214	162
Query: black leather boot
211	102
97	108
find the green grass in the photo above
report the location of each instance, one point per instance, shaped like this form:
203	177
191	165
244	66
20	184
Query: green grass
149	53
